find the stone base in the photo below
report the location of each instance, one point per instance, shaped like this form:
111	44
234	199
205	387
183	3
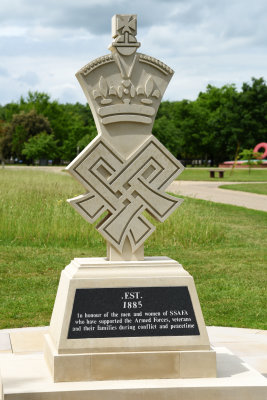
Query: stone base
134	365
149	356
28	378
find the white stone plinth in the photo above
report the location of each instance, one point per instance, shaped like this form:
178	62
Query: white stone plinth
131	357
26	377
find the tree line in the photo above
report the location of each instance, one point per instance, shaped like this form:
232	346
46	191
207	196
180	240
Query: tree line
215	127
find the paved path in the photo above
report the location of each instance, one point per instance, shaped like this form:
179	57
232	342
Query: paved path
37	168
207	190
248	344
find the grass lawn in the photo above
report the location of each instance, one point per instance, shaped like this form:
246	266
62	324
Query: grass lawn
239	175
259	188
222	246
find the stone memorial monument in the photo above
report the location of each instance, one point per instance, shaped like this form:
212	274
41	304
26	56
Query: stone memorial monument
126	316
126	326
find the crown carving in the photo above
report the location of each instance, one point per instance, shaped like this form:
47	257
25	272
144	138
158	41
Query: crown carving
125	102
124	86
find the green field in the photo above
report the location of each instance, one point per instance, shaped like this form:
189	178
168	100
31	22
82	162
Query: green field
258	188
238	175
223	247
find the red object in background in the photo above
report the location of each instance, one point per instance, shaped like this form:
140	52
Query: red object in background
258	147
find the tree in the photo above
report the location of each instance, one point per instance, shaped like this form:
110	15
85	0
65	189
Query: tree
41	146
215	126
26	125
5	141
38	101
223	130
86	139
249	156
253	99
165	130
7	111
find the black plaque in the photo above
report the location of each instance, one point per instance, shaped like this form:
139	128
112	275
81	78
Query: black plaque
132	312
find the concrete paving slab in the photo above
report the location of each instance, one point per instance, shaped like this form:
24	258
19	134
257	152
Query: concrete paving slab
248	344
51	168
226	334
210	191
5	343
245	349
25	341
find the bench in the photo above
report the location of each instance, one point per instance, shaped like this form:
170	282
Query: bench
213	171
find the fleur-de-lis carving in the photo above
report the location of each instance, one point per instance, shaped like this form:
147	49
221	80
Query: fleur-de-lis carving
103	86
126	90
149	86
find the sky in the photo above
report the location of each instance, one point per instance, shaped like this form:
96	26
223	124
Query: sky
43	43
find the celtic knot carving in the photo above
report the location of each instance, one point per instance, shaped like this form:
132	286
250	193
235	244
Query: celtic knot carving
125	189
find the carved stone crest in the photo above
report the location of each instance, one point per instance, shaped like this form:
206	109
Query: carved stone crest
125	169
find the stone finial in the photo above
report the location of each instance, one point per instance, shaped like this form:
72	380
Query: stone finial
124	30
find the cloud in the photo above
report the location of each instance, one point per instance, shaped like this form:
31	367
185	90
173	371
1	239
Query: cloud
3	71
90	15
44	43
29	78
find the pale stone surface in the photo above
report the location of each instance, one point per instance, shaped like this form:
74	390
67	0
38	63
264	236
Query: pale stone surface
249	344
5	344
125	169
197	365
131	365
1	389
235	381
31	340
